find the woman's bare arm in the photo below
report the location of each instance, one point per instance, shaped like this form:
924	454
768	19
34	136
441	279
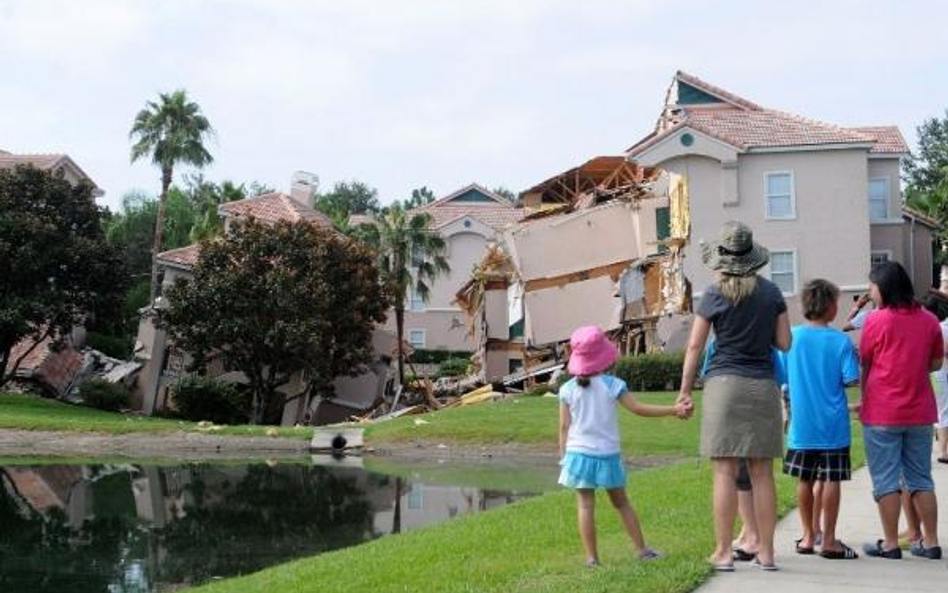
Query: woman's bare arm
699	336
782	336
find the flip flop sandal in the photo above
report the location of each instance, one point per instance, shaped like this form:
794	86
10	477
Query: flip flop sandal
942	460
649	554
723	567
846	553
801	549
742	555
765	567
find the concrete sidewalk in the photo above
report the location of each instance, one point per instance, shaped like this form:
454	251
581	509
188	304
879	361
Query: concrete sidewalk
858	524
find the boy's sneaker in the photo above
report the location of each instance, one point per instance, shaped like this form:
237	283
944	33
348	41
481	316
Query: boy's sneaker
932	553
877	551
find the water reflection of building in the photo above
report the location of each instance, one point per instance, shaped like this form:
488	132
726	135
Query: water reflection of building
420	504
155	528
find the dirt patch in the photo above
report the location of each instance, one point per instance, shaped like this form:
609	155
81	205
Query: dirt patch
176	445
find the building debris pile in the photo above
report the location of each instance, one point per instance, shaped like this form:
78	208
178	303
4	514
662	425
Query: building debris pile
602	245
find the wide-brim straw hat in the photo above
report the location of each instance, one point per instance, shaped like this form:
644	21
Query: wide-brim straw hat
590	352
735	252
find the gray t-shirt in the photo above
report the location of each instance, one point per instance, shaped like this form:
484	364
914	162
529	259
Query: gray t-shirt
744	333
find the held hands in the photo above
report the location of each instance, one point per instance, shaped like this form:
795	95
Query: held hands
684	406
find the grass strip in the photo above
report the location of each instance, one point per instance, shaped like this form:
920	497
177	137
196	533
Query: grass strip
25	412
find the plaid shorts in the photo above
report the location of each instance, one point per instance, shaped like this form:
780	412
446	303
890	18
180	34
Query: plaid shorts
825	465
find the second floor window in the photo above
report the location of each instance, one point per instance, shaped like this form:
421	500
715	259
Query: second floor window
780	198
878	199
415	301
783	267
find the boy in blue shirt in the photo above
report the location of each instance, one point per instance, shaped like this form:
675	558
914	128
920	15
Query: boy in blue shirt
821	363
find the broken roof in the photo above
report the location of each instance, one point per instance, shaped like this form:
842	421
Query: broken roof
601	173
724	116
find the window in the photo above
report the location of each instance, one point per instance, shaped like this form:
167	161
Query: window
878	258
879	199
780	199
662	226
415	300
783	267
416	337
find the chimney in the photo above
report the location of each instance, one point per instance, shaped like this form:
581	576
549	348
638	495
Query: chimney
303	188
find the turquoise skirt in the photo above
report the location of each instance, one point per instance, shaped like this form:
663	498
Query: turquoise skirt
589	471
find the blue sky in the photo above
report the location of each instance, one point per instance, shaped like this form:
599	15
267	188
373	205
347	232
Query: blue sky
439	93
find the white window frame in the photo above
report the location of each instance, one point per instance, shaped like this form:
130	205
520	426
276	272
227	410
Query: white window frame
796	269
886	252
416	304
888	197
793	196
424	337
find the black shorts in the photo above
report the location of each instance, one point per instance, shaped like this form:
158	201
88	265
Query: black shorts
743	480
825	465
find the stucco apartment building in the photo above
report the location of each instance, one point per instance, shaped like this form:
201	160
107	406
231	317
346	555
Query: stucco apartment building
468	220
826	200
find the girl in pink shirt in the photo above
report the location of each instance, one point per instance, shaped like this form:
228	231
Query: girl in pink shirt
900	345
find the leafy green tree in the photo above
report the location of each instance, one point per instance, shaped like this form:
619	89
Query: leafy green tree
505	193
410	257
348	198
421	196
926	175
56	267
271	301
171	132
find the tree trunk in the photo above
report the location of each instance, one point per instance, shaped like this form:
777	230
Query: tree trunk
166	174
399	334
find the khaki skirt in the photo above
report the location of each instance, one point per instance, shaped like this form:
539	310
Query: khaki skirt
741	417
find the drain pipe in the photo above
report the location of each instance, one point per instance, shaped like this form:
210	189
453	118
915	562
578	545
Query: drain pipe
912	251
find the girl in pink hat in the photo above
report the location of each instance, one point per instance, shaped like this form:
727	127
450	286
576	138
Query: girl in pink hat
589	436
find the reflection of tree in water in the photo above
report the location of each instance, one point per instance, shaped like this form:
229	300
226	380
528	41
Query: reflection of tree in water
269	516
41	552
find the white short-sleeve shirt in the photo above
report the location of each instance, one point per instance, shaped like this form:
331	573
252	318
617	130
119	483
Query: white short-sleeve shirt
594	422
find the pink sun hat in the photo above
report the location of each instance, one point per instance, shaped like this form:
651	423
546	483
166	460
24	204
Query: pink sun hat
591	351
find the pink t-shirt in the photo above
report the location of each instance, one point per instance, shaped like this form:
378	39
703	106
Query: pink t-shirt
898	345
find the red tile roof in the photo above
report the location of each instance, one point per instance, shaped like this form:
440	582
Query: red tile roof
182	256
746	125
888	139
54	369
496	217
40	161
274	208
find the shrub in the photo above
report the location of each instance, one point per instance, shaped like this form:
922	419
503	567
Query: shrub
453	367
200	398
423	356
101	394
651	372
114	346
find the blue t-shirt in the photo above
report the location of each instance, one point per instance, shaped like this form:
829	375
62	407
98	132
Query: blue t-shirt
821	362
780	366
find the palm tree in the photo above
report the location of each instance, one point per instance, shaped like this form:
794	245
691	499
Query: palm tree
171	131
410	258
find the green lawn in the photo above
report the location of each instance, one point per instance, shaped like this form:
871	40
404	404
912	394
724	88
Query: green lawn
533	421
33	413
531	545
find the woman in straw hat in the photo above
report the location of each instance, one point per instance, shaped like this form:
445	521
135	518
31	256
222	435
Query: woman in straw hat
741	415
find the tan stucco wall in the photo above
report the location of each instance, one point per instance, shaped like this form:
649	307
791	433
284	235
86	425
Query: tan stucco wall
441	329
891	238
922	255
830	233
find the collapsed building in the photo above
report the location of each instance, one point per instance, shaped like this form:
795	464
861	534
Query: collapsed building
601	244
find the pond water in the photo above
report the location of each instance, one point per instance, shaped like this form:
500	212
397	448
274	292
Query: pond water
136	527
